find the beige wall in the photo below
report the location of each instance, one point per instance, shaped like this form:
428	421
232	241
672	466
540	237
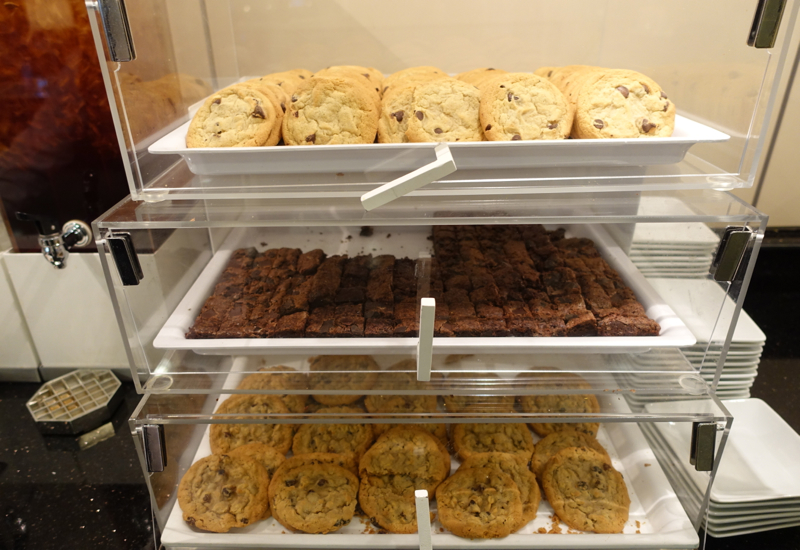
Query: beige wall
780	190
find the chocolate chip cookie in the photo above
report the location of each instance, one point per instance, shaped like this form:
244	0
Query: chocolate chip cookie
330	110
236	116
548	446
585	491
314	498
445	110
265	455
523	106
219	492
226	437
622	104
480	503
342	372
288	80
517	468
389	502
402	376
559	403
403	460
333	438
476	77
412	74
469	439
279	377
346	461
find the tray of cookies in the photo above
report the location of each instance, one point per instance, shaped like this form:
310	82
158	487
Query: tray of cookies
351	290
348	119
345	484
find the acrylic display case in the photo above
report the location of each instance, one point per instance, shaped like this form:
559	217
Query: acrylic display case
656	212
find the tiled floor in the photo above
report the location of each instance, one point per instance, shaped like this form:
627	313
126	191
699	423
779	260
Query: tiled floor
58	497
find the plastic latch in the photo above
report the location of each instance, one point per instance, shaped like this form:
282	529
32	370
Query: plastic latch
423	519
427	314
441	167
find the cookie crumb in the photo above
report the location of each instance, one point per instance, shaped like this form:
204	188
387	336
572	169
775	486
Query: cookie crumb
349	237
366	231
646	465
388	235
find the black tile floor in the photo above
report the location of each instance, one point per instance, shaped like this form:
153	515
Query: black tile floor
53	496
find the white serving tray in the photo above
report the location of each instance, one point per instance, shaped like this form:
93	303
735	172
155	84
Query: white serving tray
410	241
390	157
758	464
657	519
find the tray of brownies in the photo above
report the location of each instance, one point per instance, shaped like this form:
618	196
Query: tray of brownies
499	288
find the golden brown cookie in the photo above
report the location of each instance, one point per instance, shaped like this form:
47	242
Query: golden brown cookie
396	110
314	498
389	503
346	461
559	403
265	455
523	106
225	437
445	110
333	438
330	110
219	492
622	104
404	459
288	80
469	439
236	116
402	376
276	378
480	503
477	77
585	491
548	446
407	450
412	74
369	77
476	403
517	468
337	373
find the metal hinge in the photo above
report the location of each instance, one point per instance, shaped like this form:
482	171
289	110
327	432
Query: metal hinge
704	442
117	29
766	23
154	445
128	266
730	252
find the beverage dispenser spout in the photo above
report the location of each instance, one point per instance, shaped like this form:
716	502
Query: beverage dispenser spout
57	244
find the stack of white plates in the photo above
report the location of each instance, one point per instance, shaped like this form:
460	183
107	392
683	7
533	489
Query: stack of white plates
698	303
671	249
757	486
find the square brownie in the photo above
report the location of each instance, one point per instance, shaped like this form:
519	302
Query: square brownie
379	327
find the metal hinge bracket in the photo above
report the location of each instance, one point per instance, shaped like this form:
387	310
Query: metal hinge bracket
155	447
766	23
117	29
704	442
125	258
730	252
